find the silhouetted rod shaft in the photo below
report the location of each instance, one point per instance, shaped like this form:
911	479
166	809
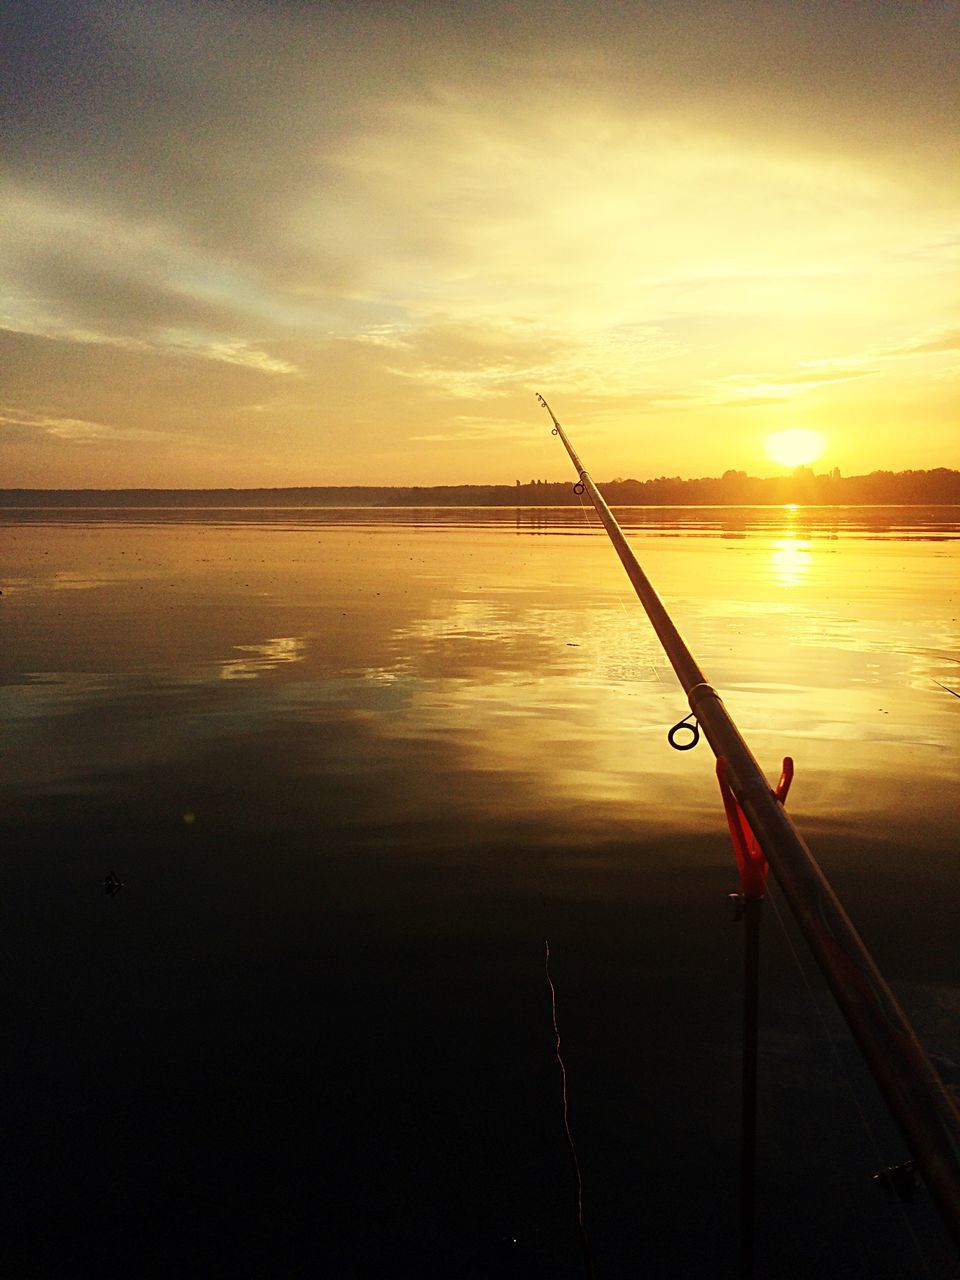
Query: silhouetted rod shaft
925	1112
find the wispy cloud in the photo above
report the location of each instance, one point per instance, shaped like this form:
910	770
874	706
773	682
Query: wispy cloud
756	387
79	431
947	340
942	341
475	428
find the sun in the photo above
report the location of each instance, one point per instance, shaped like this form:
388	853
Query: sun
796	447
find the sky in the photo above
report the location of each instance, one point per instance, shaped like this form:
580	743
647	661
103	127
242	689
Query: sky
328	243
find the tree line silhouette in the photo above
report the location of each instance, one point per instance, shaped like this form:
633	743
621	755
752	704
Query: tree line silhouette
733	488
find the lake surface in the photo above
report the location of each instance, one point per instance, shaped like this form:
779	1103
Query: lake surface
354	768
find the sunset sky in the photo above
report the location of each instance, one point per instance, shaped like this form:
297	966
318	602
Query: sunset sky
285	244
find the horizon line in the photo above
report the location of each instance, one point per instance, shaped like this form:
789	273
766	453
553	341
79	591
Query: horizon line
797	473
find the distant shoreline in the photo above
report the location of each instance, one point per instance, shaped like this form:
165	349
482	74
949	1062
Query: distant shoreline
734	488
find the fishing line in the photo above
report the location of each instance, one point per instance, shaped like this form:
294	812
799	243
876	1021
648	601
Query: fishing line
881	1160
565	1110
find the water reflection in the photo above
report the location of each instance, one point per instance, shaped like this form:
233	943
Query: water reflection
531	654
790	561
263	657
934	523
410	752
71	580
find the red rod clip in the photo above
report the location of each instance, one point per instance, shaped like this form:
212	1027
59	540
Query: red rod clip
750	857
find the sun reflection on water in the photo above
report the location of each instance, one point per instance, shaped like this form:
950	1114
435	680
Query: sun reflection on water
790	560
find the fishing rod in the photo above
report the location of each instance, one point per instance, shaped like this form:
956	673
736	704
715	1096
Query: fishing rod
925	1112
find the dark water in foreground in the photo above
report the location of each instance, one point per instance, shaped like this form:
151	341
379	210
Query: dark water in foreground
353	770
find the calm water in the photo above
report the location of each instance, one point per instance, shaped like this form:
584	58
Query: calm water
353	768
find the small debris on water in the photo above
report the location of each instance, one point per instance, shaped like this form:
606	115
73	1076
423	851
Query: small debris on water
572	644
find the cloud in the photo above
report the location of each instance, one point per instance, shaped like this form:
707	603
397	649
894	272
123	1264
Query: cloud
323	154
302	234
755	388
943	341
78	274
229	350
131	386
79	431
946	340
475	428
